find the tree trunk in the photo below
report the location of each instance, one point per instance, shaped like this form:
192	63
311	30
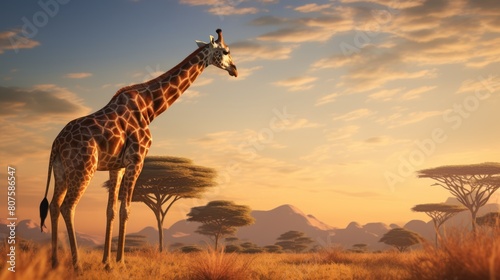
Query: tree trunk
473	217
436	229
160	232
216	242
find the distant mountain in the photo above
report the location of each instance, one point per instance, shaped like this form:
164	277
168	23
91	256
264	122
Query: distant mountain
268	226
30	230
425	229
354	233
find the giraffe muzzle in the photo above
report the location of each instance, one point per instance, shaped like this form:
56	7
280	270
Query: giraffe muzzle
232	70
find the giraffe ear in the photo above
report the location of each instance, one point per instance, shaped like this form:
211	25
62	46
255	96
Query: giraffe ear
200	43
212	41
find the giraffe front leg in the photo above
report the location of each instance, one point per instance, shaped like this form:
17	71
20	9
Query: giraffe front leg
115	178
131	174
124	214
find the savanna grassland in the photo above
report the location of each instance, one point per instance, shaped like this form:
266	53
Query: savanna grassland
460	256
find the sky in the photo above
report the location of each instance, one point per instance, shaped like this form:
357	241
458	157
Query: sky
336	106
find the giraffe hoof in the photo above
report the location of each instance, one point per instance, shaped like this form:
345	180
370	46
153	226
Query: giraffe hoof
78	269
121	264
108	267
55	264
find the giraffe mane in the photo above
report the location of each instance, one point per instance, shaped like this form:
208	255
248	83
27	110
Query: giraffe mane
168	73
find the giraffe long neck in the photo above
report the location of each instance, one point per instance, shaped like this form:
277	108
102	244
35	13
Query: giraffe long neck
153	97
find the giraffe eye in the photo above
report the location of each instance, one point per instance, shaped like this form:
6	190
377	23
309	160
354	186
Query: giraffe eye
225	52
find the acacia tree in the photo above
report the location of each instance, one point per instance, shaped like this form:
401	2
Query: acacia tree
401	238
220	218
439	212
293	240
165	180
472	184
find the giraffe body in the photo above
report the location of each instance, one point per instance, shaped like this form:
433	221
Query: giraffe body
116	138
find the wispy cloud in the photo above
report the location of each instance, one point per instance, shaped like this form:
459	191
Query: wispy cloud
385	94
380	141
222	7
297	83
269	20
14	40
411	39
400	93
391	3
480	84
300	123
312	7
334	61
297	35
242	152
334	20
417	92
34	145
354	115
329	98
40	103
80	75
402	118
363	80
342	133
250	51
28	112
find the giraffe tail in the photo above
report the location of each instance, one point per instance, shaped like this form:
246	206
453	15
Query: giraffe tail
44	205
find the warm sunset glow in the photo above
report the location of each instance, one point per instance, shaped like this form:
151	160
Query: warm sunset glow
336	105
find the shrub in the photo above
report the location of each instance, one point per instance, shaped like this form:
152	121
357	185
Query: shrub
232	248
273	249
190	249
213	265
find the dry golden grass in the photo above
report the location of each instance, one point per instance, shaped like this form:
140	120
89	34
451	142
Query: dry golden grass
461	256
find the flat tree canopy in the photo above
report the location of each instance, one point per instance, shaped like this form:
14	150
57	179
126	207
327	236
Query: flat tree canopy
175	176
293	240
439	212
485	169
220	218
401	238
471	184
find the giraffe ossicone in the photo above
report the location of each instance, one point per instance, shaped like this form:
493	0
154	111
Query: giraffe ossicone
116	138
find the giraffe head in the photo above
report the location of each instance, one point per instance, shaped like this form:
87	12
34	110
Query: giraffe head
220	55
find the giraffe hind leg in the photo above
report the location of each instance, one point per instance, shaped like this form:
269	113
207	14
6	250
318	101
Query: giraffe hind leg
129	178
60	189
77	184
115	178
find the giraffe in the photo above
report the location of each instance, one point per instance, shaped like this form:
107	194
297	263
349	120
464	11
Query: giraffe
117	138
